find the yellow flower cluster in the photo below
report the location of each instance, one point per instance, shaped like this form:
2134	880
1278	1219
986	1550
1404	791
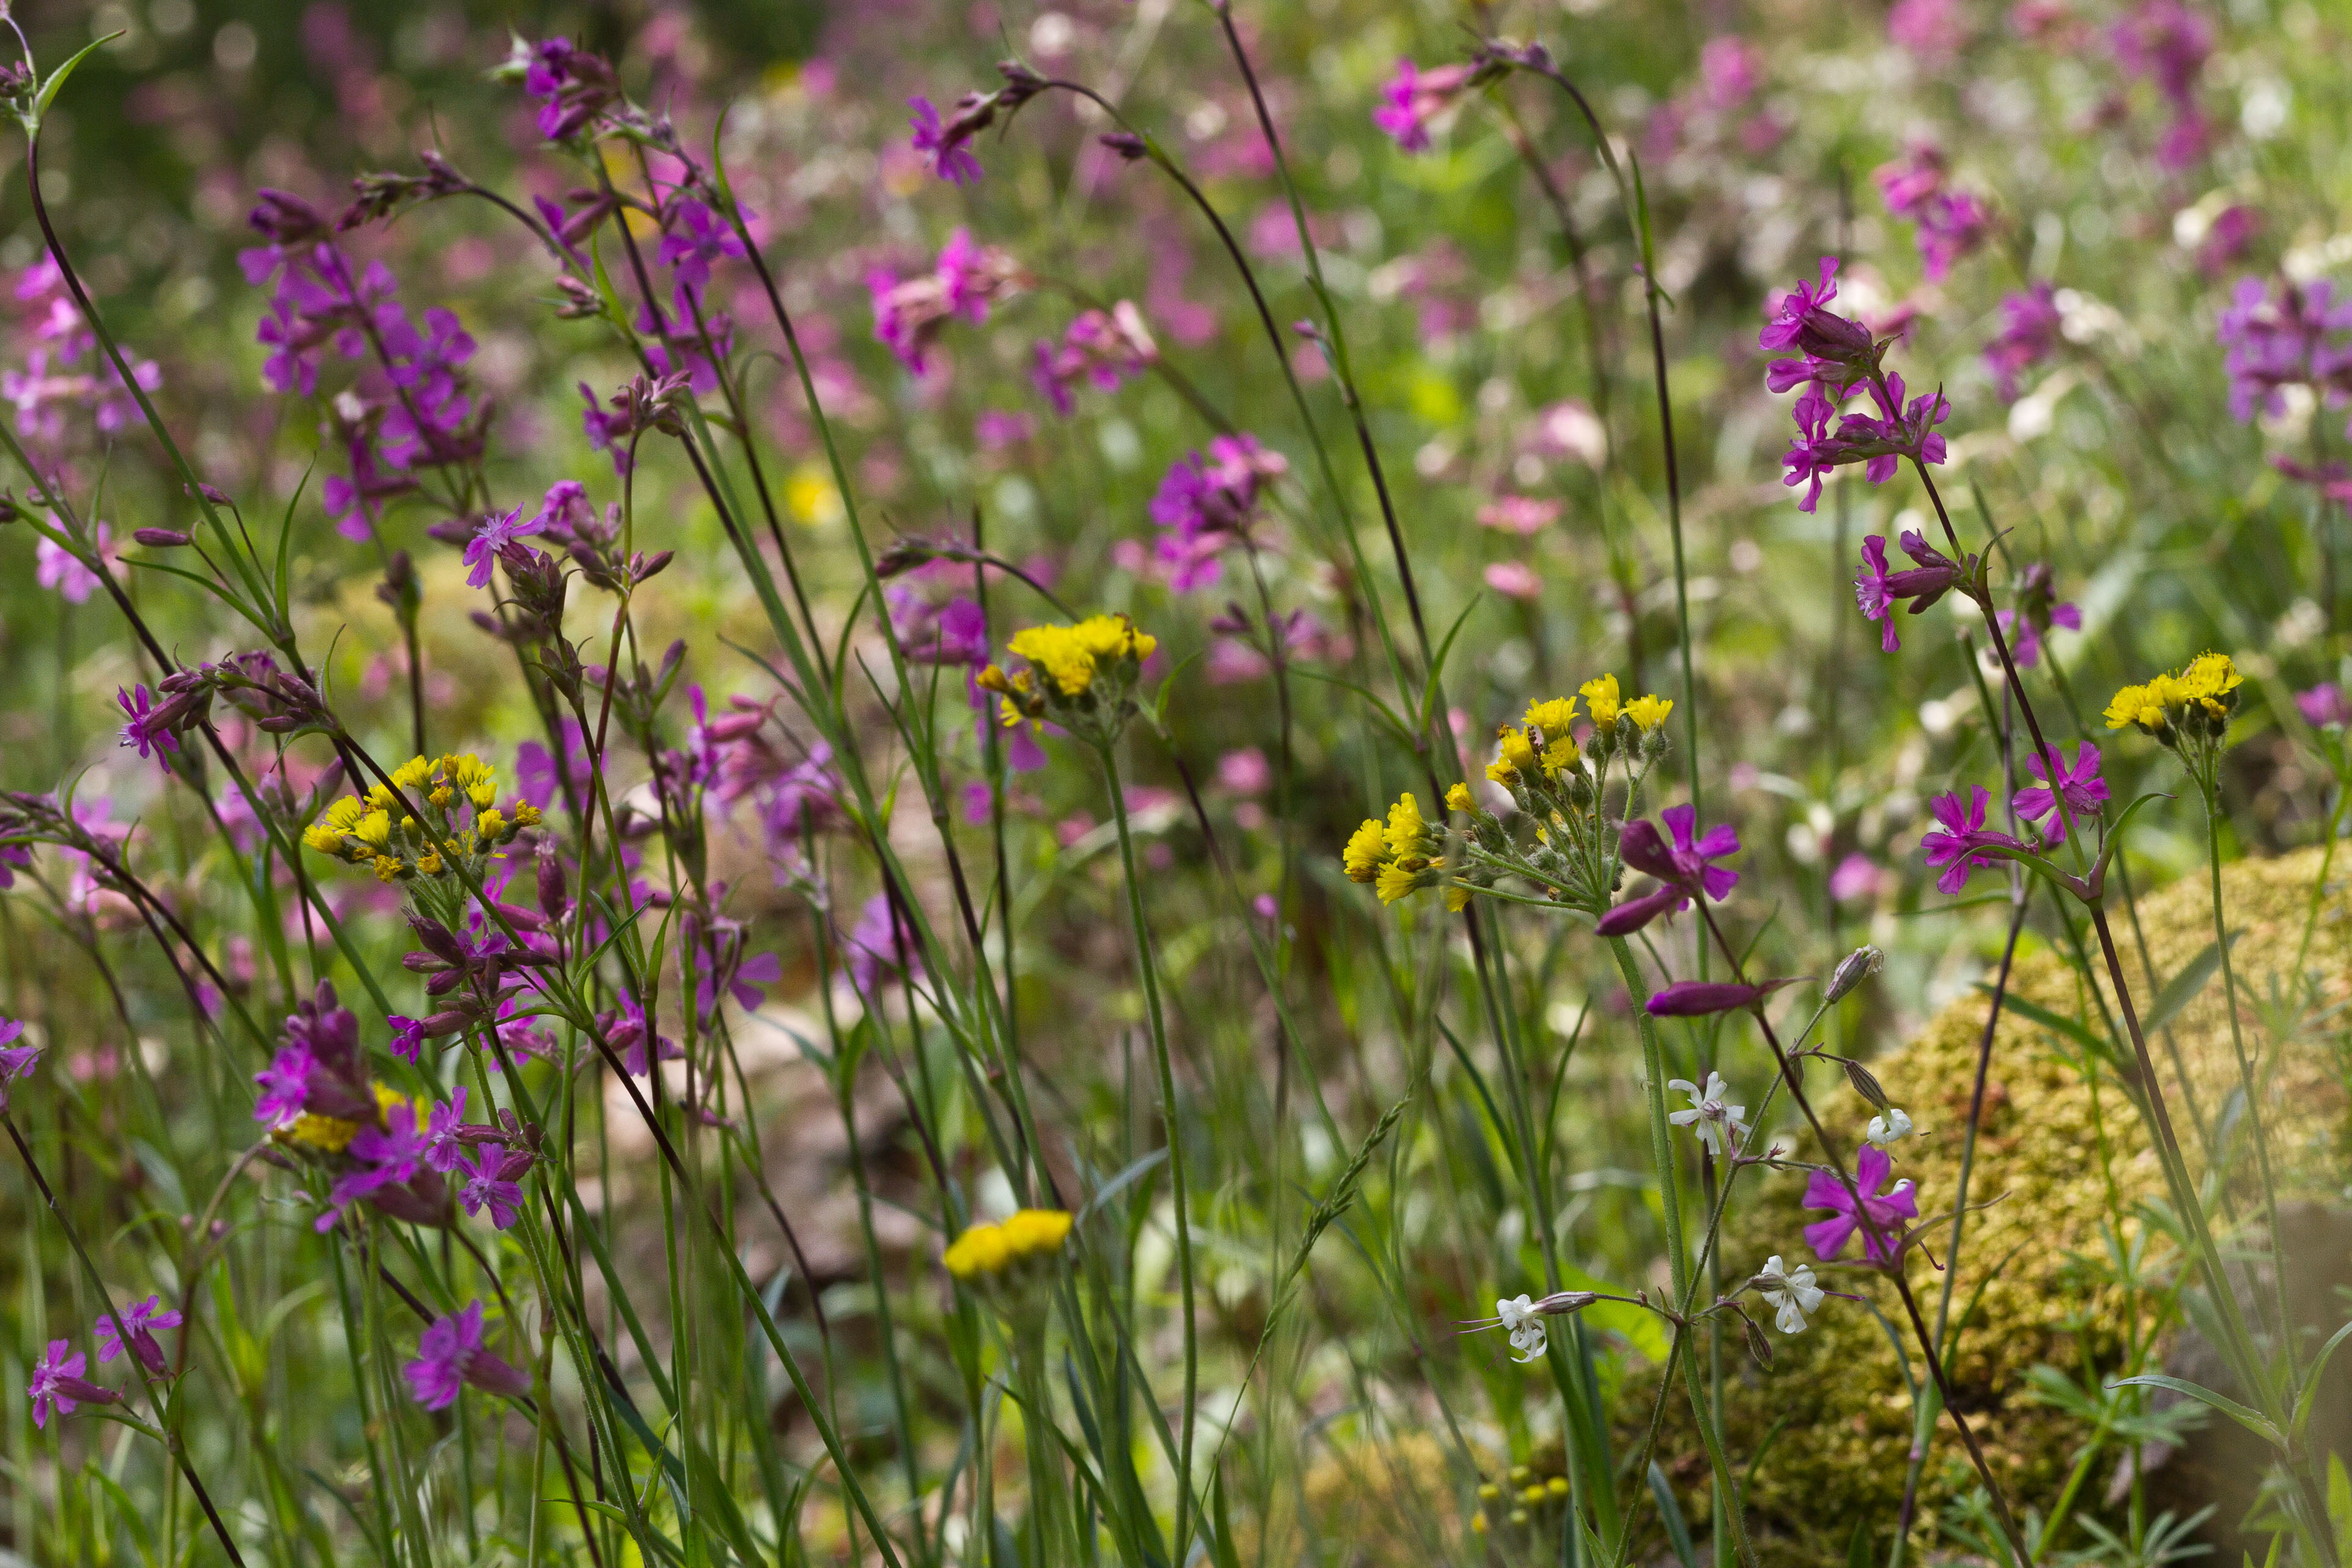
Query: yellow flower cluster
1401	856
1067	664
1542	742
991	1249
1525	1492
361	829
2206	690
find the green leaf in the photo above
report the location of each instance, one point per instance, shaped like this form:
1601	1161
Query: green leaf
2183	987
2310	1379
57	77
1222	1544
1857	1551
1671	1509
1437	663
2056	1023
2253	1421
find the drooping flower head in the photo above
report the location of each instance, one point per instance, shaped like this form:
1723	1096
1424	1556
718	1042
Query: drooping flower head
140	1319
57	1384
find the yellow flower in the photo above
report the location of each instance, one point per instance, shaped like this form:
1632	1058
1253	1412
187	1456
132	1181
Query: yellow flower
326	840
1551	716
1457	896
1069	655
1516	757
387	869
325	1132
1395	882
1478	1521
1406	829
1601	696
2209	678
375	830
429	863
1458	799
981	1249
379	796
1031	1233
411	774
2135	705
1366	848
1649	712
489	826
1559	753
526	814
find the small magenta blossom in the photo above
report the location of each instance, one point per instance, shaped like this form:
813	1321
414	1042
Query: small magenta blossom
2030	332
491	1183
140	1319
16	1061
57	1384
449	1354
1961	842
55	566
1687	864
285	1085
1783	331
694	238
1877	590
1950	223
2078	783
1413	98
1848	1206
494	534
388	1156
2324	706
2039	609
944	152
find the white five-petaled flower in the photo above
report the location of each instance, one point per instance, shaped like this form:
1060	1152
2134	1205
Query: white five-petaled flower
1792	1293
1719	1123
1525	1323
1884	1129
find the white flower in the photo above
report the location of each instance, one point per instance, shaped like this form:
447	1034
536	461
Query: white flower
1792	1293
1884	1129
1525	1322
1718	1124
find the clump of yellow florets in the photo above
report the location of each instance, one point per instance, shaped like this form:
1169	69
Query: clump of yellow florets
1405	854
988	1251
1080	676
364	830
2191	708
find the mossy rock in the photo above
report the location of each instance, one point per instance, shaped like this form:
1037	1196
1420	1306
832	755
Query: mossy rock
2061	1153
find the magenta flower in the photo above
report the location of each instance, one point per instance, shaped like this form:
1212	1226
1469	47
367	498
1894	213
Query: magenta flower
16	1061
1701	998
2079	784
1413	98
1849	1205
1962	843
56	1383
55	566
1684	866
1856	875
2029	326
1206	504
388	1156
2324	706
285	1085
694	238
491	1183
449	1354
149	728
494	534
1877	590
1781	331
139	1320
407	1037
1631	915
947	155
2038	610
445	1139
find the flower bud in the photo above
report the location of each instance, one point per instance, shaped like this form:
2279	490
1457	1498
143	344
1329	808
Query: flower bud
1125	144
551	881
1852	970
159	538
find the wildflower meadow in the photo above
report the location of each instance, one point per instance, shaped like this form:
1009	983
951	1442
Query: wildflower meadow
1168	783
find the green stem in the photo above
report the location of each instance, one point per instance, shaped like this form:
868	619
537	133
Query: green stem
1178	1190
